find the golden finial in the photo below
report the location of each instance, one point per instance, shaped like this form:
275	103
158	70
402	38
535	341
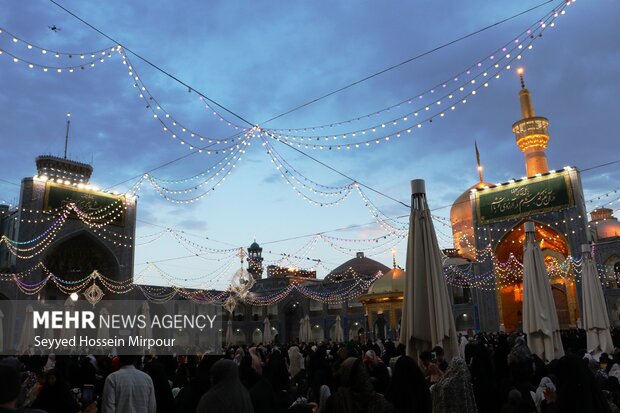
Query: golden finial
520	72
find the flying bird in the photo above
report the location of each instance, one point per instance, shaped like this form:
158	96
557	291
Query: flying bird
54	28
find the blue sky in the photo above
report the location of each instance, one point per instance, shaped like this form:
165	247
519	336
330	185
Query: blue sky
261	59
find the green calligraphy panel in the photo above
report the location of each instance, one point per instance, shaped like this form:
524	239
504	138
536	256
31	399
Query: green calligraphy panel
521	199
98	206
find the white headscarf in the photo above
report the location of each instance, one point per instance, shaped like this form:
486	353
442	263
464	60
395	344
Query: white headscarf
296	361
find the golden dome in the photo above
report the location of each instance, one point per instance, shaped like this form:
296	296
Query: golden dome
462	220
391	282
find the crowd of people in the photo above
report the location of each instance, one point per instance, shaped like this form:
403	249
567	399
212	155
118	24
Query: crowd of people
494	372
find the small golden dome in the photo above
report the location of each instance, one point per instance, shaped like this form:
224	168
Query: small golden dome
462	220
391	282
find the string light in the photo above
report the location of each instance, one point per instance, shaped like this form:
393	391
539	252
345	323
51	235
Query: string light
527	33
305	140
45	51
69	68
408	130
169	122
288	174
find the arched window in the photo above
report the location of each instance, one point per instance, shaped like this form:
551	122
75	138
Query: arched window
612	272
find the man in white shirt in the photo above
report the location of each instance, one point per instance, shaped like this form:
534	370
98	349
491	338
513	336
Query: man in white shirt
128	390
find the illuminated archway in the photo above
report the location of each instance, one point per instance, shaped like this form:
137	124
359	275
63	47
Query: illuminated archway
612	271
508	271
76	256
257	336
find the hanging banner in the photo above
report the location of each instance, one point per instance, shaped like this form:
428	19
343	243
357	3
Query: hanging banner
97	205
521	199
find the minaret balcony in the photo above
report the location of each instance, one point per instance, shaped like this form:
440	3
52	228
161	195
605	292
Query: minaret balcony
530	126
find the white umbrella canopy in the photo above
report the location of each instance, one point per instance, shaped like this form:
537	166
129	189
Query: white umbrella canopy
267	337
103	333
146	332
27	336
540	318
594	311
229	333
338	332
427	318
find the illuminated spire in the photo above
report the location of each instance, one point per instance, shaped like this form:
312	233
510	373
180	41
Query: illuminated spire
527	108
531	133
394	258
67	133
478	162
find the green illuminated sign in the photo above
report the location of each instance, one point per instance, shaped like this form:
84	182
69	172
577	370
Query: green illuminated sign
100	207
521	199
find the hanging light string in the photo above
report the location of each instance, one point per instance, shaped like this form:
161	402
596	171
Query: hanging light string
198	249
383	243
215	181
604	195
509	273
467	72
194	177
69	68
288	173
206	281
281	163
36	249
163	116
295	258
42	241
125	48
389	225
48	52
138	83
605	205
372	250
349	287
154	234
157	236
52	213
58	223
223	165
445	104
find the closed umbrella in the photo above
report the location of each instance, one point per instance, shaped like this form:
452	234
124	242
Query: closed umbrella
267	337
302	330
308	329
540	318
27	336
1	332
103	333
69	331
48	333
427	319
229	333
145	330
338	332
594	311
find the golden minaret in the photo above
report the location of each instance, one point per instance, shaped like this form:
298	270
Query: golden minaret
531	133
